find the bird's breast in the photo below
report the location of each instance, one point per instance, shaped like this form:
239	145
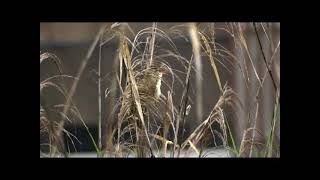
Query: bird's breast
158	89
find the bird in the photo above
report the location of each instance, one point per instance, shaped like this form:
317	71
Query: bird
148	82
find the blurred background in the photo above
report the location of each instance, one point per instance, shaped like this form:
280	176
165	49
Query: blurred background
71	41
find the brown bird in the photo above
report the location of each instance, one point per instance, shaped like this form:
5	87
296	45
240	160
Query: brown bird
149	87
149	83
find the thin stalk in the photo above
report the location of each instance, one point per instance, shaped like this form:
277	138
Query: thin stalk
154	27
232	140
99	96
81	69
254	132
264	57
268	152
197	59
185	93
75	84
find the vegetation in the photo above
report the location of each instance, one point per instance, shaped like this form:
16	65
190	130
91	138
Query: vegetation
138	122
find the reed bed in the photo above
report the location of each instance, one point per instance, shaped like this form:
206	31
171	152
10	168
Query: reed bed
140	124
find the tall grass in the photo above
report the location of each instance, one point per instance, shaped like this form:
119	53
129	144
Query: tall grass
139	124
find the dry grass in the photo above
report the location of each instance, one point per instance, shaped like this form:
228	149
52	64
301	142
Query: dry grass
140	124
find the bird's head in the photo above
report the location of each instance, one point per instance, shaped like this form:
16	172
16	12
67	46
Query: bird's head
163	70
159	68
